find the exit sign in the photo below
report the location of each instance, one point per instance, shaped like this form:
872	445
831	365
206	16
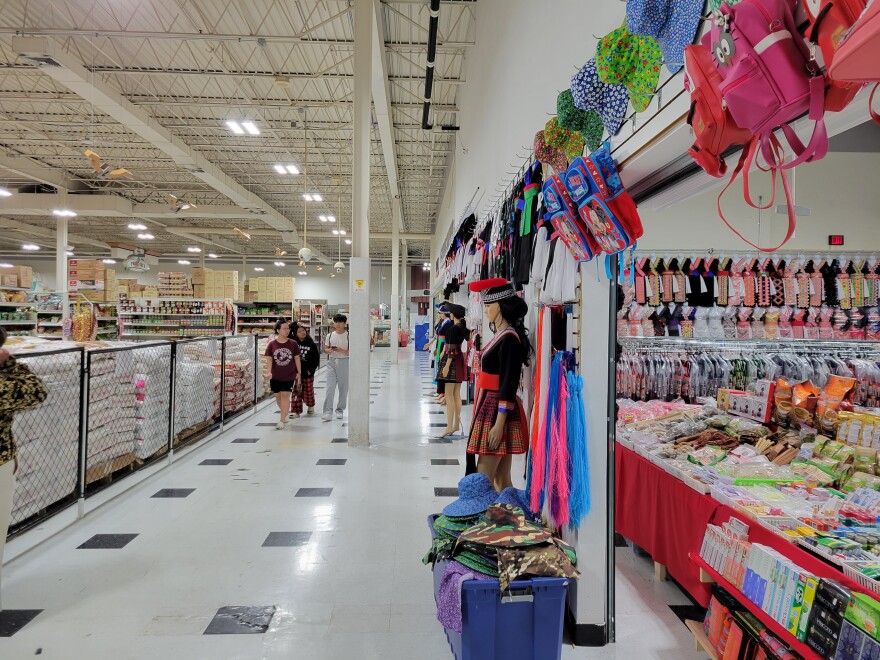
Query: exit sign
835	239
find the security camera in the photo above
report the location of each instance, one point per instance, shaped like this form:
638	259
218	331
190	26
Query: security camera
339	266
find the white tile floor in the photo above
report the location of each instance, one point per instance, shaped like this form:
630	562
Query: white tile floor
356	590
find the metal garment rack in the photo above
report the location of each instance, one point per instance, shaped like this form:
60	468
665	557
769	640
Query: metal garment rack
800	346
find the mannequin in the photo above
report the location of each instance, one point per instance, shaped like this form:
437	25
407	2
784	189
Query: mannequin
19	389
453	370
440	337
499	428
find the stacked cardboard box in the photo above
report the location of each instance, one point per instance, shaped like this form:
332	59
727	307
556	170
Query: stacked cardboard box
89	278
271	289
174	285
17	276
215	284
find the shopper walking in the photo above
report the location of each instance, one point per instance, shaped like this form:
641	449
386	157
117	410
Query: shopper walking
336	348
286	368
19	389
310	358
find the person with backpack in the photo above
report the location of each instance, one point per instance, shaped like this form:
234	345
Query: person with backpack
310	358
20	389
285	368
336	348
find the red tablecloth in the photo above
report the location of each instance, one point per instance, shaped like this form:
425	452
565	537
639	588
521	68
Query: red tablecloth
663	516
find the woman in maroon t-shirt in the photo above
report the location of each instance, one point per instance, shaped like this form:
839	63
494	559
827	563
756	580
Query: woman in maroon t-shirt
285	368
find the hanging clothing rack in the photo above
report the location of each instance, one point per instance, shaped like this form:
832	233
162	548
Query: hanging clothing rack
775	345
786	255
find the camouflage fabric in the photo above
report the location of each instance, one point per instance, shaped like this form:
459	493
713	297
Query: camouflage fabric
453	526
477	562
441	549
567	549
505	525
542	561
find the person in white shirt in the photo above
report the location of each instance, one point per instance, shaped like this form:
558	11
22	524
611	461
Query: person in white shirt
336	348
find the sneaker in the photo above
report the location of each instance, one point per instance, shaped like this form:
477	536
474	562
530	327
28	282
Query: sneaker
338	414
327	418
279	426
311	411
293	416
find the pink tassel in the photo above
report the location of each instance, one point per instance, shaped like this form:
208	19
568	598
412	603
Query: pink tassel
539	460
559	486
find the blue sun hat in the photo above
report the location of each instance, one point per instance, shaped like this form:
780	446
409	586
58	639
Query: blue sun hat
517	498
475	495
609	101
672	23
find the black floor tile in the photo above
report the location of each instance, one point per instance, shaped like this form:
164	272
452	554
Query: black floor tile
267	424
108	542
331	461
446	492
11	621
437	424
175	492
314	492
241	620
440	441
216	461
436	412
335	440
245	441
619	541
445	461
688	612
286	539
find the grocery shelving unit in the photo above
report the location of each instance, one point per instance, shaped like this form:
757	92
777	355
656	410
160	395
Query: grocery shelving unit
260	317
170	318
17	316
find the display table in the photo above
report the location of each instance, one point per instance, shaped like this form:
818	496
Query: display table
664	516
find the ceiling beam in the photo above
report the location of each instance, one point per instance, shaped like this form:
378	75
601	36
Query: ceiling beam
66	70
32	169
9	224
412	236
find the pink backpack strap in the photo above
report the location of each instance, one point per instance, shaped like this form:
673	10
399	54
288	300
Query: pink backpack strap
817	148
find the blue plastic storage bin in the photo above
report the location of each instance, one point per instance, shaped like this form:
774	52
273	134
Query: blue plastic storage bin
421	338
523	623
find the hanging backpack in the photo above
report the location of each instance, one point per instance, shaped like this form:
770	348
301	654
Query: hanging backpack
829	22
566	222
858	55
710	121
768	76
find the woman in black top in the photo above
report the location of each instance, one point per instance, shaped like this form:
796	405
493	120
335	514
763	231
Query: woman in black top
310	358
453	370
499	427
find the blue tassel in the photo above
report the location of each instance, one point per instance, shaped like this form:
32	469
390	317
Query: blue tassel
579	496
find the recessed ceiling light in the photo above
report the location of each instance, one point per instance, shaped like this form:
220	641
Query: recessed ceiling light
307	197
348	241
280	264
108	261
342	231
258	269
5	193
212	255
137	226
193	249
235	127
292	169
317	198
322	218
336	232
146	237
280	169
64	213
331	218
183	262
7	266
302	272
30	247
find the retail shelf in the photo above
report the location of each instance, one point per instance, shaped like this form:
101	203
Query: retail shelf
772	625
14	304
102	331
48	312
162	299
2	322
18	288
170	314
702	641
171	335
255	324
173	324
107	318
50	325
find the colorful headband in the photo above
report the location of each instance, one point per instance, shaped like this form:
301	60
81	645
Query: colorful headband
493	290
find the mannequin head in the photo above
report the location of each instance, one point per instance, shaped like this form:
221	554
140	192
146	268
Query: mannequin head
512	311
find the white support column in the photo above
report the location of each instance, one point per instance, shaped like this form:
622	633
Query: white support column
395	285
404	287
61	265
359	374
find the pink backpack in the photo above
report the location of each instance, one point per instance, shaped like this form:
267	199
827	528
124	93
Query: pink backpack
769	76
858	55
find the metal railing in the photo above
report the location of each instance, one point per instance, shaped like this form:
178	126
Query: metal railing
110	412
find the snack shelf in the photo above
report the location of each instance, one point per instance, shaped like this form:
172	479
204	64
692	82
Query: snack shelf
16	288
49	312
50	325
772	625
174	325
702	641
851	570
34	322
121	314
166	334
15	304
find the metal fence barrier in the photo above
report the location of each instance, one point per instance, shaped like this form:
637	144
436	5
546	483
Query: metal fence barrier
112	411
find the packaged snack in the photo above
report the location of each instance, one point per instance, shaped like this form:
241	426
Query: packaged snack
834	392
805	395
830	448
864	459
828	422
783	390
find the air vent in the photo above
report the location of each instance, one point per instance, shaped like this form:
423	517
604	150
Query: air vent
41	60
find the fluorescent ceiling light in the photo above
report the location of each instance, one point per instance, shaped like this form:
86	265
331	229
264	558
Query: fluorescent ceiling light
280	264
146	237
137	226
336	232
212	255
235	127
258	269
183	262
317	198
331	218
30	247
69	253
108	261
302	272
348	241
193	249
7	266
425	264
250	127
280	169
342	231
322	218
5	193
64	213
307	197
292	169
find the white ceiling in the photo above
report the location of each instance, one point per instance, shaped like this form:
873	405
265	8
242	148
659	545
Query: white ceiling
191	65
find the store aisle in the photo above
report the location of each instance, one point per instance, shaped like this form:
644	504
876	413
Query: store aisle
331	536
